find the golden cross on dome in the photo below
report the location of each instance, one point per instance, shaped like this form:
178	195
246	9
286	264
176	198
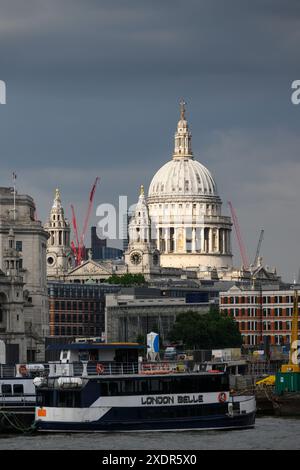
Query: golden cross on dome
182	109
142	191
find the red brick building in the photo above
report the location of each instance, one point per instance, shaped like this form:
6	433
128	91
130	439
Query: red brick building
260	313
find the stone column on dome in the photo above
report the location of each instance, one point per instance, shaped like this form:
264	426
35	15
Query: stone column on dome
210	240
229	235
166	240
202	243
193	240
175	239
223	237
218	240
198	239
157	238
227	242
221	241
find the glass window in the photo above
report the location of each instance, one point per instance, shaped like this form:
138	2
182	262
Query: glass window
18	389
6	389
114	388
68	399
18	245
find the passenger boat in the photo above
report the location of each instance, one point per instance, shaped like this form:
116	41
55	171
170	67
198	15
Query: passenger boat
92	390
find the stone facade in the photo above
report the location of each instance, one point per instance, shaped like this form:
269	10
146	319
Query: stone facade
128	317
141	255
185	210
60	258
23	238
12	325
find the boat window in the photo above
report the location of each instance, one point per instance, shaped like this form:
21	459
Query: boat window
177	385
18	389
83	356
104	389
65	354
143	386
45	398
67	399
6	389
114	388
155	386
166	386
128	387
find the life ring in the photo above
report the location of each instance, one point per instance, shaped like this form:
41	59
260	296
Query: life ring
214	371
222	397
99	368
23	369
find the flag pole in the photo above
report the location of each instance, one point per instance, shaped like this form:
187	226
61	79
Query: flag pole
14	183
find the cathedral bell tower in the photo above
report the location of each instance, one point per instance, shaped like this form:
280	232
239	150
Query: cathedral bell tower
60	258
141	255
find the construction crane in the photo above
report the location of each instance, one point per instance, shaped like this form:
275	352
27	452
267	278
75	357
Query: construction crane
261	237
239	236
79	248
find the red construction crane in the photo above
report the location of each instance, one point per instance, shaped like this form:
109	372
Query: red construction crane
79	248
239	236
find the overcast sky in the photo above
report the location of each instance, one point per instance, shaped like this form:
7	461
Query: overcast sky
93	88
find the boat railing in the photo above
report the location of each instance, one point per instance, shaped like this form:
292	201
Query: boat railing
22	399
91	368
7	371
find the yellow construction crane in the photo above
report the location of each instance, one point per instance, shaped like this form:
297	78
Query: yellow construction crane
293	365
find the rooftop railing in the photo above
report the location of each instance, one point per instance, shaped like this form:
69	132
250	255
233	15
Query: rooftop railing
89	368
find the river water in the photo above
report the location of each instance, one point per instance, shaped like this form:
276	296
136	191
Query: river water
269	433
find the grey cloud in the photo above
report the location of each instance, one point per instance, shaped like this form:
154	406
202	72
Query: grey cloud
93	87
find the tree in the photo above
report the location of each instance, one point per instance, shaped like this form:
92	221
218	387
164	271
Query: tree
208	331
127	279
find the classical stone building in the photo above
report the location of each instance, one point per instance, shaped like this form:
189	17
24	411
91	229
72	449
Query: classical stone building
23	286
141	255
91	271
179	229
185	210
60	258
133	313
12	325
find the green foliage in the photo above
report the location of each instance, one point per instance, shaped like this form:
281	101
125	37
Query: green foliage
207	331
127	279
141	339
